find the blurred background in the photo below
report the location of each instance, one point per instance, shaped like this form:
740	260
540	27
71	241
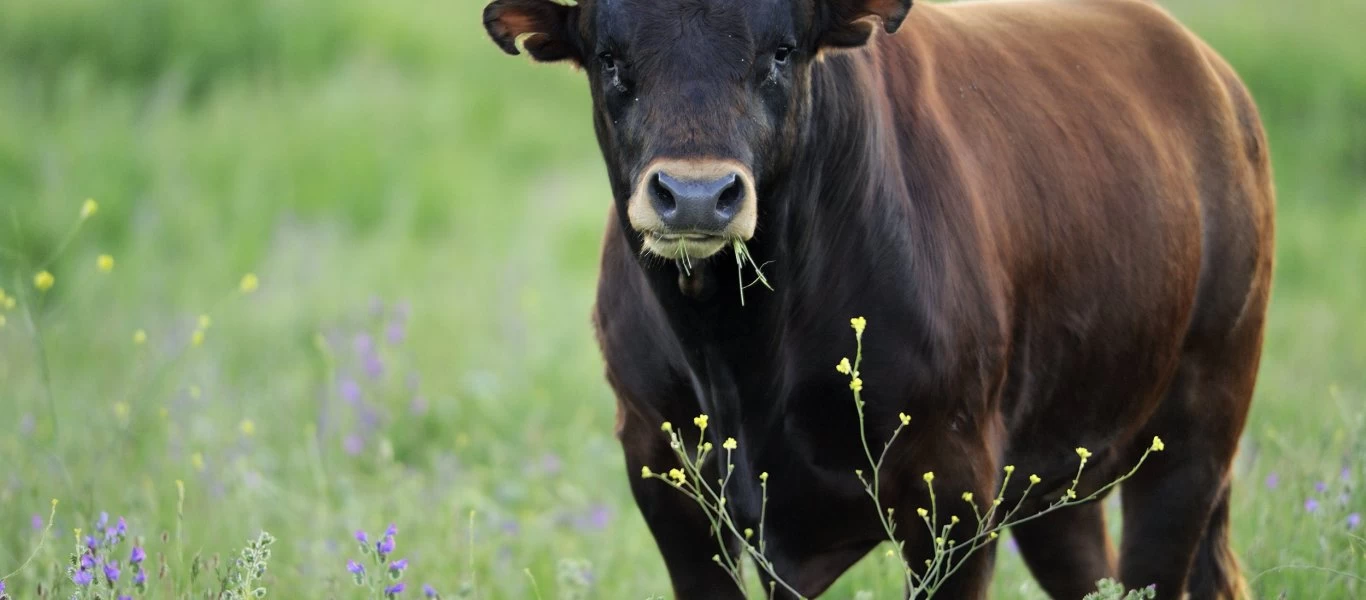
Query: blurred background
424	215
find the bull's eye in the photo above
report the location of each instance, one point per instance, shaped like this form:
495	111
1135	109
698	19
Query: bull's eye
609	64
781	54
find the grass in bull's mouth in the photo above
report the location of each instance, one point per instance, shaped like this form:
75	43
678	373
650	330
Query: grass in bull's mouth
743	256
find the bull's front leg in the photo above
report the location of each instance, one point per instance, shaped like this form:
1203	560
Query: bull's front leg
945	545
680	527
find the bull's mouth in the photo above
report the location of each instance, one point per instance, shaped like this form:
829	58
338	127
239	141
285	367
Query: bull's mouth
687	246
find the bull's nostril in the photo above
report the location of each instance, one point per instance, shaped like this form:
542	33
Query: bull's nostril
663	199
729	200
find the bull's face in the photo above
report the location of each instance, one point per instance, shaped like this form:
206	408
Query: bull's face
696	102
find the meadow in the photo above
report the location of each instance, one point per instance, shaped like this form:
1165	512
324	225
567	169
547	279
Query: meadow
419	216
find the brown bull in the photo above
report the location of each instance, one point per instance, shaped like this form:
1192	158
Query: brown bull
1056	216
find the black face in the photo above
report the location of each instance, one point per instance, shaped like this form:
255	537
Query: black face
696	102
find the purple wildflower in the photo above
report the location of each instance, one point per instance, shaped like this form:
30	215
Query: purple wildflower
87	561
385	547
104	520
1273	481
2	586
82	577
111	572
91	543
140	578
428	590
122	527
391	530
395	589
363	344
355	568
1346	474
125	597
1311	505
374	367
598	517
395	333
36	522
1321	487
138	555
350	390
362	537
398	566
1354	520
354	444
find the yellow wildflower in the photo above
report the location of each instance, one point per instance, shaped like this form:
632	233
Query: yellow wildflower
967	496
890	553
247	427
44	281
749	533
993	535
763	477
1071	495
1010	469
856	384
939	541
205	322
677	475
700	421
667	426
105	263
922	512
89	208
953	519
1034	479
858	323
249	283
198	337
706	447
844	366
1083	453
928	476
1158	446
730	444
905	418
645	472
197	461
140	337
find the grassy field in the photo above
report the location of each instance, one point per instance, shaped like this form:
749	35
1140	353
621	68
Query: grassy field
424	214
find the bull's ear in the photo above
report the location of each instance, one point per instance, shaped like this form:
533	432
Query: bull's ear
546	28
849	23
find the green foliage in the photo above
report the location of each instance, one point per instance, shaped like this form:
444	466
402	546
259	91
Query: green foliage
1109	589
358	148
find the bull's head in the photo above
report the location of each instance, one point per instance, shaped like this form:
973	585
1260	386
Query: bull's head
697	103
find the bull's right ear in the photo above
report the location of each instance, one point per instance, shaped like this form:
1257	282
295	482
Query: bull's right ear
546	28
850	23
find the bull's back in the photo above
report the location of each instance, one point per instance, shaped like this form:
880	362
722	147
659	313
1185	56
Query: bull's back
1120	171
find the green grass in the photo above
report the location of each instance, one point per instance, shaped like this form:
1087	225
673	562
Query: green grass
372	151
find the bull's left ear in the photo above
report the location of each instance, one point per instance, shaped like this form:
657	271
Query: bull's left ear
849	23
546	28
